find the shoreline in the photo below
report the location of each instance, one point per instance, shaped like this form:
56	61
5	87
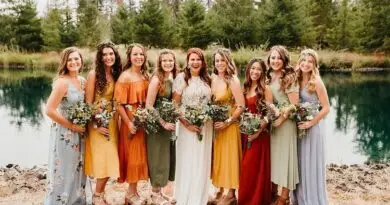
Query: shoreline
355	184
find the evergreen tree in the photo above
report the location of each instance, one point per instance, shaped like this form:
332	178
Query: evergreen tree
51	30
122	24
283	23
68	30
321	11
234	22
193	30
88	25
7	35
27	26
152	25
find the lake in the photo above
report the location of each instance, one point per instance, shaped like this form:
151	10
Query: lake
357	127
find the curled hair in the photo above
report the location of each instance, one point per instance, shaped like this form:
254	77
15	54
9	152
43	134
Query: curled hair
261	83
116	69
144	67
62	68
159	71
204	75
231	66
288	76
311	86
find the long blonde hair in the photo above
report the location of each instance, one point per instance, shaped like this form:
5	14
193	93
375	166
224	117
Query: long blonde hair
231	66
62	68
144	66
159	71
311	86
288	77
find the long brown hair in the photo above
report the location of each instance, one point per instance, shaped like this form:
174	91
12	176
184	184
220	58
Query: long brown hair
311	86
116	69
261	82
231	66
159	71
144	67
288	77
204	75
62	68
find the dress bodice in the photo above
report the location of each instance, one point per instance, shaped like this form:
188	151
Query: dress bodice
250	103
73	95
196	92
306	96
107	93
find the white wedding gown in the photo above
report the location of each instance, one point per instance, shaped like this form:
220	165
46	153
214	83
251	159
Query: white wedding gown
193	157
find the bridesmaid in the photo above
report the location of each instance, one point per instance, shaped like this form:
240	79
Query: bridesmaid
225	88
101	155
131	89
159	145
284	88
311	157
255	178
193	162
66	179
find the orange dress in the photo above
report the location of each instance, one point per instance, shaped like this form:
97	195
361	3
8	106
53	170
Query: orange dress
132	151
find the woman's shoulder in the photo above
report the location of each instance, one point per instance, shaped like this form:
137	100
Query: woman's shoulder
125	77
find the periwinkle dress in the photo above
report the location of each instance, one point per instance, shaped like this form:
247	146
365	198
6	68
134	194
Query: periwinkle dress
66	179
311	160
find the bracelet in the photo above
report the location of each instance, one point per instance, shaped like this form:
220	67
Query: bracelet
228	121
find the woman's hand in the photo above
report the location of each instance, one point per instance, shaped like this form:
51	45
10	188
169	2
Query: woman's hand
279	121
132	128
103	131
254	136
169	126
77	128
305	125
220	125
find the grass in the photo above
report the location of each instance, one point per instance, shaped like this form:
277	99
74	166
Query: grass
329	60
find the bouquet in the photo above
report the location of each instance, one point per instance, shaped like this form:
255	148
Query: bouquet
79	113
102	112
217	112
196	115
167	112
250	124
305	112
275	110
146	118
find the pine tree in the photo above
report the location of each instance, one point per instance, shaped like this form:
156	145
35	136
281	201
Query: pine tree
27	26
51	30
68	30
7	34
234	22
193	30
152	25
88	23
122	24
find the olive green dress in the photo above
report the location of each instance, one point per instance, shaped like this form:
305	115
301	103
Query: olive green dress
284	158
161	149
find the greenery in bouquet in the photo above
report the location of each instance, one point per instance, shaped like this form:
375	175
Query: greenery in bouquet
273	111
168	112
79	113
250	124
102	112
305	112
197	115
218	112
146	118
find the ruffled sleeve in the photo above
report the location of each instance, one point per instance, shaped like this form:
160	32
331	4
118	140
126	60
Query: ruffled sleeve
179	84
121	93
293	88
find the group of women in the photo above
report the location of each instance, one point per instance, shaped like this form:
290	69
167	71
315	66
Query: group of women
263	174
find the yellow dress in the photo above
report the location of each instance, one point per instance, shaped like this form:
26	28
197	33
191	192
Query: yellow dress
101	155
227	151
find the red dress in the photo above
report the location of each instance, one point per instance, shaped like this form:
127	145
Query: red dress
255	178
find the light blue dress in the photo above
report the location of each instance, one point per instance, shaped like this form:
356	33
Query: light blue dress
311	189
66	179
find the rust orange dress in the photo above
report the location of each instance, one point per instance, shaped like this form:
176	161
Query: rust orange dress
132	151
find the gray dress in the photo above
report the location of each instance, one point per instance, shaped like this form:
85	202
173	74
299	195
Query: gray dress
66	179
311	160
161	149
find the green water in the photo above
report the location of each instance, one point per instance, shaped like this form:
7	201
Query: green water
357	128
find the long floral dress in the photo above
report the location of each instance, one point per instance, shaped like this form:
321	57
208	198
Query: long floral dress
66	179
193	157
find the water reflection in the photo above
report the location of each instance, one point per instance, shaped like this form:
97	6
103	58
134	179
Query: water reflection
23	98
362	101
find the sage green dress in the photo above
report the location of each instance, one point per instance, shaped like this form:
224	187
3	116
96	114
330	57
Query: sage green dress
284	160
161	149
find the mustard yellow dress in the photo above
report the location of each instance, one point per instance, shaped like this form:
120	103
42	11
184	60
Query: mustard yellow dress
101	155
227	151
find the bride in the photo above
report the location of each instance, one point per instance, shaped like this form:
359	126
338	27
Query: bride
193	156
